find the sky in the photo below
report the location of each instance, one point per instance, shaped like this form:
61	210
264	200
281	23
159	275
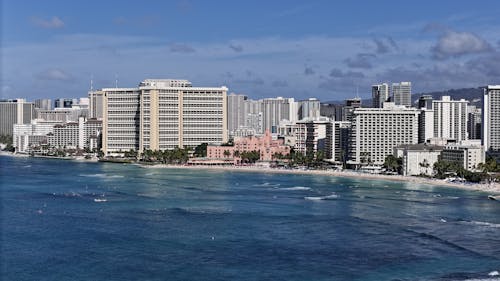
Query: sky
326	49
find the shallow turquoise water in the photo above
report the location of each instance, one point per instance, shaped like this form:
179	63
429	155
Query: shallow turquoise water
174	224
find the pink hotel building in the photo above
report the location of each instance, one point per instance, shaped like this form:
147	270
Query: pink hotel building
265	145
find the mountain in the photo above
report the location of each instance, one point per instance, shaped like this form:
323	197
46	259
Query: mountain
474	95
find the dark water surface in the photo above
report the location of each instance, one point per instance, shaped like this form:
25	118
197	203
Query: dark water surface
174	224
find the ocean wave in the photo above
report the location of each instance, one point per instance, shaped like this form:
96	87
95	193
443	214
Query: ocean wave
101	176
205	210
483	223
295	188
267	184
317	198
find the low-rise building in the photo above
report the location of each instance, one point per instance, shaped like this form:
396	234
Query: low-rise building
265	145
468	154
418	159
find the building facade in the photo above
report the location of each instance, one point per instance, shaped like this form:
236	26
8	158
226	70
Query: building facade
491	118
265	145
376	131
16	111
163	114
418	159
468	154
401	93
450	118
380	94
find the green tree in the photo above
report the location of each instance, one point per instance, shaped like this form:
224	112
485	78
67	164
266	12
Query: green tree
201	150
227	153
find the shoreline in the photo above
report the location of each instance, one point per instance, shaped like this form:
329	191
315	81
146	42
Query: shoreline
487	188
492	188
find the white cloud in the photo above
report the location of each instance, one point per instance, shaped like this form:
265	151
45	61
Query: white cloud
54	74
54	22
455	44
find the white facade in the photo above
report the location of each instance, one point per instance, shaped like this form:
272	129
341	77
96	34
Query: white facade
235	112
23	134
309	108
425	125
418	159
450	118
469	154
163	114
376	131
491	118
401	93
310	134
337	138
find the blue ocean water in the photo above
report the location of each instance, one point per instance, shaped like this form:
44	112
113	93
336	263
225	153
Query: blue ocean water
175	224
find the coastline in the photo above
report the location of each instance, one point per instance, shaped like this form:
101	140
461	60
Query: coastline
492	188
487	188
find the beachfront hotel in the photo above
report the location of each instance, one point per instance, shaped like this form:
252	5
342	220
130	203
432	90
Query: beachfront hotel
163	114
376	131
491	117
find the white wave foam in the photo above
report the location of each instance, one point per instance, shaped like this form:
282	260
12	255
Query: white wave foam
316	198
483	279
101	176
149	174
493	273
296	188
482	223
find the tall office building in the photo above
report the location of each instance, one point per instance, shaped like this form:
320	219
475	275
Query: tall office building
16	111
163	114
235	112
380	94
491	118
401	93
450	118
376	131
96	104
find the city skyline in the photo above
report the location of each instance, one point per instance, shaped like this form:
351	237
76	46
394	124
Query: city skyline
294	49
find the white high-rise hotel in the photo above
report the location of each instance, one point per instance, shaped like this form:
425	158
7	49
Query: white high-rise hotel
163	114
376	131
491	118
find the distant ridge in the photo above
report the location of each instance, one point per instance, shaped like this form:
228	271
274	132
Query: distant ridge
474	95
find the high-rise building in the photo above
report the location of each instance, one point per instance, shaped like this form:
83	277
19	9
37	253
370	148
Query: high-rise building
401	93
311	135
44	104
349	107
63	103
337	140
163	114
425	101
16	111
96	104
274	110
309	108
376	131
450	118
491	118
380	94
474	122
235	112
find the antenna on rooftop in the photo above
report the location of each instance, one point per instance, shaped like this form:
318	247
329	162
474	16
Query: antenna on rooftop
91	82
116	80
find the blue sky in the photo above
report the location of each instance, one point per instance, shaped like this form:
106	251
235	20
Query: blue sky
300	49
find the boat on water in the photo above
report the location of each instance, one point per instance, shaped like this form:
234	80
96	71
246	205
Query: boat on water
100	199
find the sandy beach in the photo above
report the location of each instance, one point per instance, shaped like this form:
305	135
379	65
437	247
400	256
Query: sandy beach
493	188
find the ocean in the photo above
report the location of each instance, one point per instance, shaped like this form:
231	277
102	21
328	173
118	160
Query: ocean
67	220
